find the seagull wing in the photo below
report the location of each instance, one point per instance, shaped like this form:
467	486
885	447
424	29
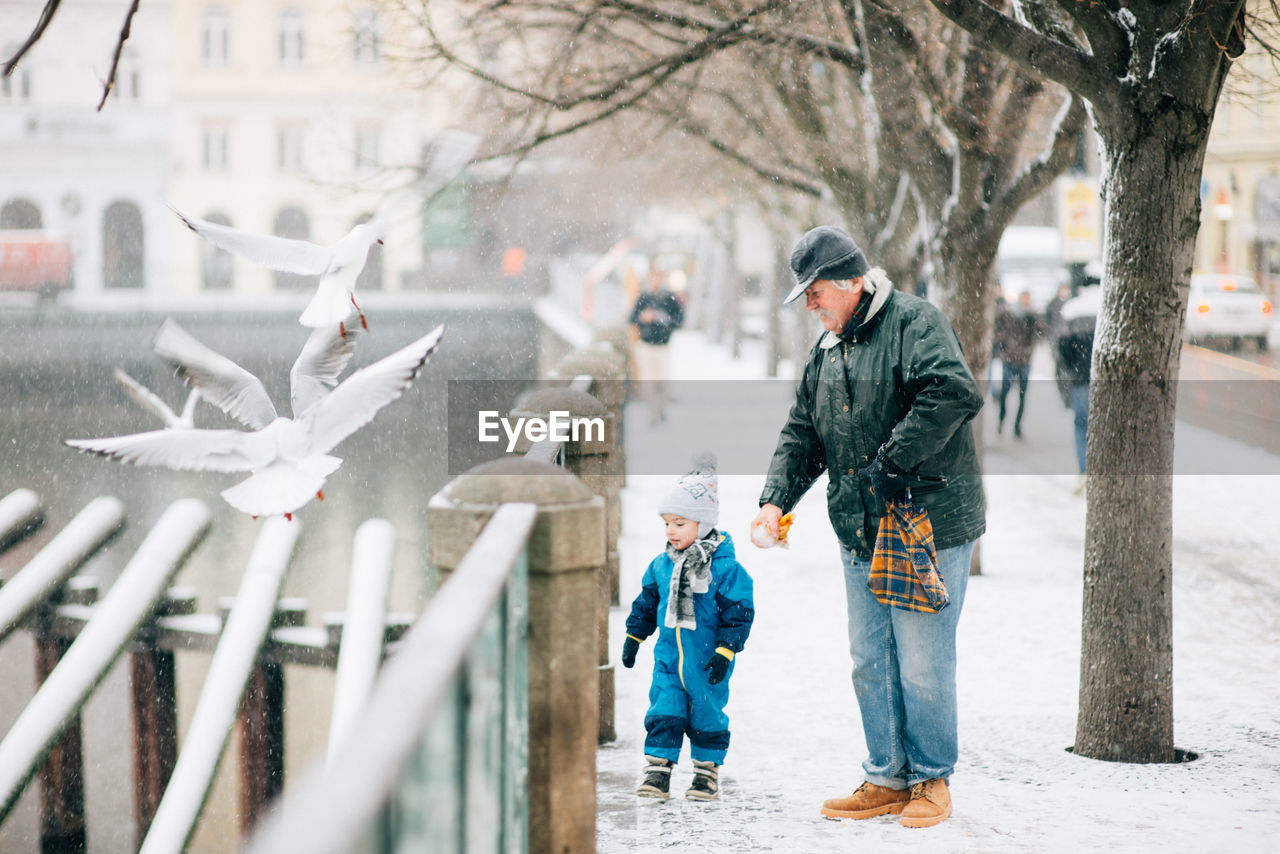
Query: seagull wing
146	398
220	381
184	450
323	358
353	404
278	253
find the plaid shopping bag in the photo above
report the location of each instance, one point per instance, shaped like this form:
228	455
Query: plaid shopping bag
904	566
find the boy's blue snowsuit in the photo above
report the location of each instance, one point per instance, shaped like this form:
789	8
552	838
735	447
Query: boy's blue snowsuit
680	699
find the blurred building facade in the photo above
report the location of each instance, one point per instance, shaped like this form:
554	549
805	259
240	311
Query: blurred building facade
289	119
1240	190
275	118
93	177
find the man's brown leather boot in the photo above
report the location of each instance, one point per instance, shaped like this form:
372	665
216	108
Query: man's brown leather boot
867	801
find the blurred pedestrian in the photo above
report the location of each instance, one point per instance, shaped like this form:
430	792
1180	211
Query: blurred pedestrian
998	297
1017	329
1053	311
1073	357
885	407
657	314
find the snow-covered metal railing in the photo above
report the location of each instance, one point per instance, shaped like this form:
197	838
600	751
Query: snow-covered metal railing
364	627
85	662
151	621
448	702
19	513
229	674
49	570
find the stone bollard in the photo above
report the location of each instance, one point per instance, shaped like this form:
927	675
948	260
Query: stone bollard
588	459
619	337
609	371
566	552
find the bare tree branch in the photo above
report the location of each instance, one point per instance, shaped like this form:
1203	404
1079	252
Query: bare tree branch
115	59
757	168
1098	23
1067	65
719	38
1041	172
46	17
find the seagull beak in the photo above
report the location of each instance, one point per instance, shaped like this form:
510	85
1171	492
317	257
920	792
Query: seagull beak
379	241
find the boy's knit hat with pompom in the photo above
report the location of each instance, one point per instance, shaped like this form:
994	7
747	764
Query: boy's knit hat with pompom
696	496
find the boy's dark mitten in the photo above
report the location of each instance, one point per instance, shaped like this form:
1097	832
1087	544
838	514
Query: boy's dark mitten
718	664
887	480
630	647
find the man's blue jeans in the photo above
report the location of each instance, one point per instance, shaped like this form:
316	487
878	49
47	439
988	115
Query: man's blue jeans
904	675
1080	410
1013	373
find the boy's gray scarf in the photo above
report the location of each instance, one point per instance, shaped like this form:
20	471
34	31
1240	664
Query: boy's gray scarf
690	574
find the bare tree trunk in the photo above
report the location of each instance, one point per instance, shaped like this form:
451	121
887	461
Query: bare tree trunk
967	299
1126	657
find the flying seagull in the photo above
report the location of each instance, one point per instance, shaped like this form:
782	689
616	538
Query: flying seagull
288	457
150	401
338	265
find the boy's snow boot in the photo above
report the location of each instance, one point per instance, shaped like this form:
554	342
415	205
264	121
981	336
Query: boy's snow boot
930	804
867	801
657	779
706	782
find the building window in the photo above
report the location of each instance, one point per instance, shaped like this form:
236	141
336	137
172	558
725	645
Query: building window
216	263
368	142
122	246
370	278
289	142
292	37
292	222
367	43
215	148
20	213
15	86
128	85
215	36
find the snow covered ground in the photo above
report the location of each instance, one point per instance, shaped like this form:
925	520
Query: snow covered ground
797	738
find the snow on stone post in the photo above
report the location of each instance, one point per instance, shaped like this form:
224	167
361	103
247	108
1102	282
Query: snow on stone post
608	371
587	455
566	552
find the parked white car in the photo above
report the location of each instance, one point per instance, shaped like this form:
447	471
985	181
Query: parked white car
1227	305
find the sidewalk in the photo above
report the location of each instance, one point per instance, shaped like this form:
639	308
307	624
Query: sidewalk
797	737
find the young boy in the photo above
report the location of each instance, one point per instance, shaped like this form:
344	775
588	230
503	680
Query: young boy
698	597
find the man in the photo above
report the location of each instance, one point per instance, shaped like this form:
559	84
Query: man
1053	311
1017	328
656	314
885	405
1073	357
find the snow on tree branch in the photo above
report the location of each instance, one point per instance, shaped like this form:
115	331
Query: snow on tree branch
1067	65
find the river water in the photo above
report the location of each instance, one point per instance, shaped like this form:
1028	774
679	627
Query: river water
56	383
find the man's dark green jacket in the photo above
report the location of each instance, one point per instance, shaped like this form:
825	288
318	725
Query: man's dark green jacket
897	380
